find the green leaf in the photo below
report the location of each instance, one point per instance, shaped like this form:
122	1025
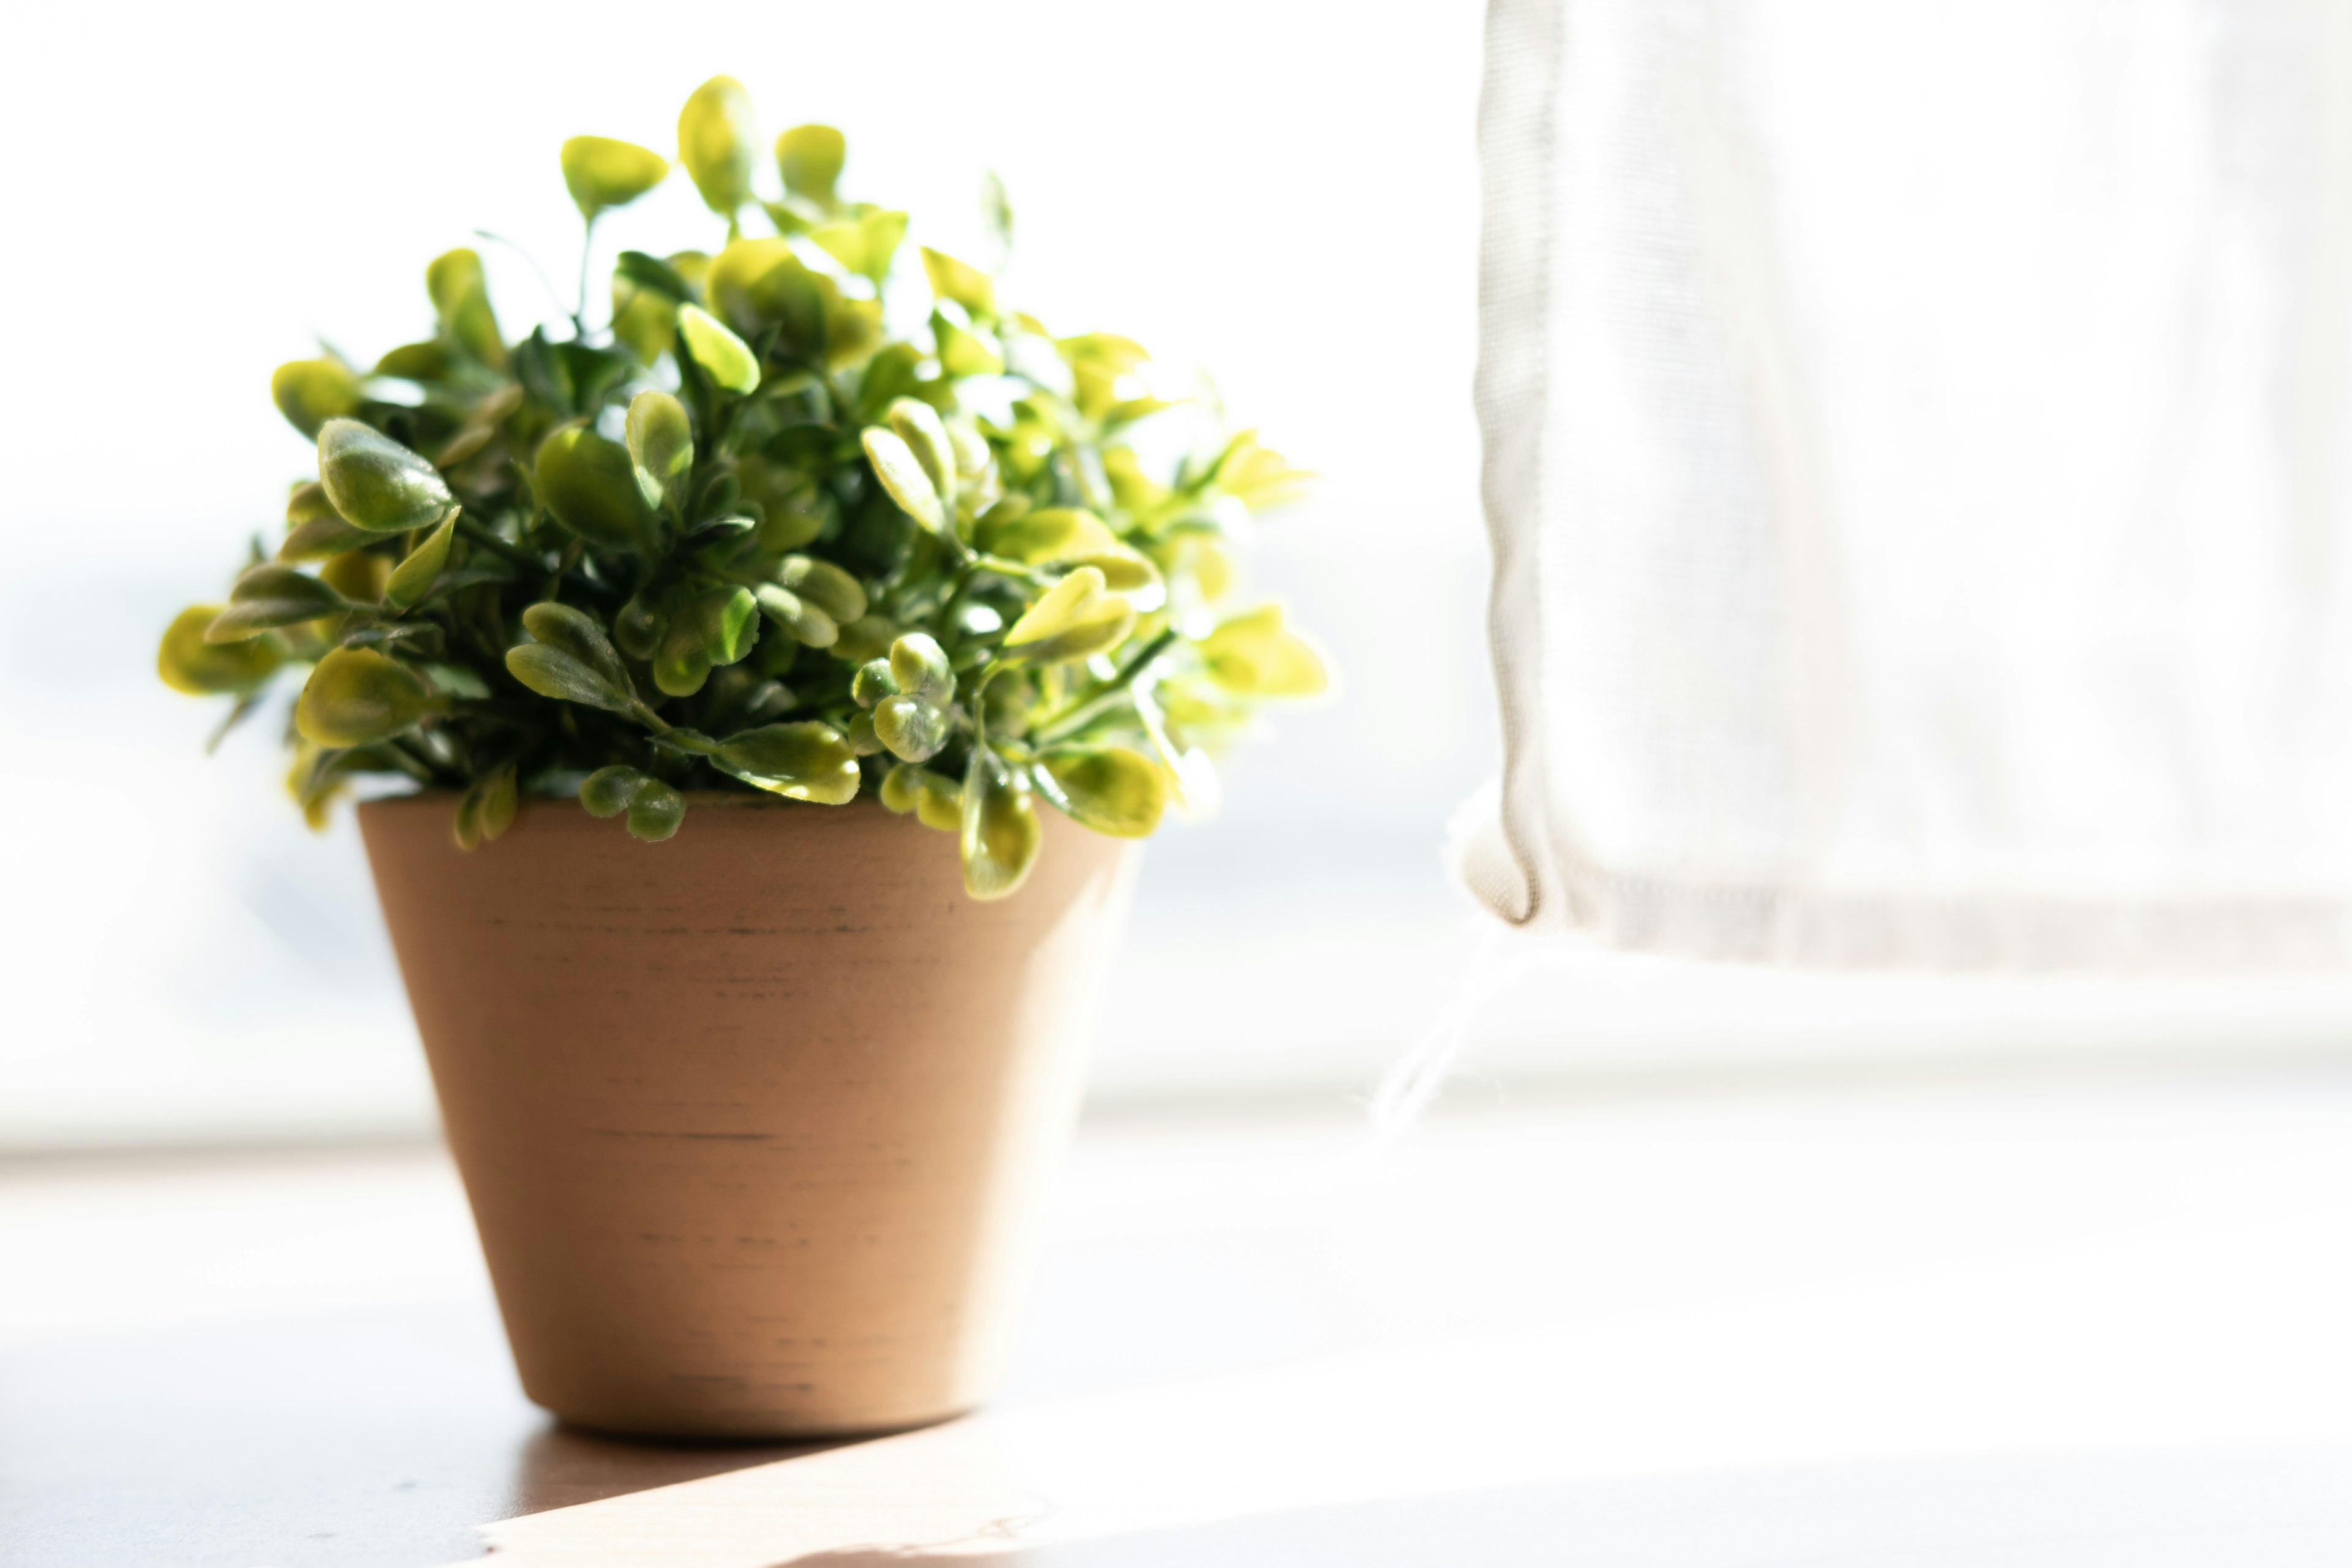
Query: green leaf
309	391
717	143
486	809
708	627
591	486
1047	533
320	538
1000	831
963	353
872	682
810	158
903	477
655	809
187	663
864	245
357	696
661	449
996	211
723	356
653	273
913	729
376	483
1258	477
936	801
573	661
919	667
960	281
272	595
865	637
427	361
803	621
1114	791
1254	655
825	585
415	576
917	424
462	302
358	576
758	283
1074	619
602	172
807	761
571	378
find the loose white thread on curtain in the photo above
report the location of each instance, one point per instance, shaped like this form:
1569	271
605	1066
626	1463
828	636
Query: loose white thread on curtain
1498	958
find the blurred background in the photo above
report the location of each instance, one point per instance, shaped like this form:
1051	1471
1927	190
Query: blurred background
1258	190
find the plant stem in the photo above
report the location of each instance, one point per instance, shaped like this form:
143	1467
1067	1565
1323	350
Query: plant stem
480	534
1074	717
580	315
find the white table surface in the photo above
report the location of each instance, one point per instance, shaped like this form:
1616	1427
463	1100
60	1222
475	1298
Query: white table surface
2023	1320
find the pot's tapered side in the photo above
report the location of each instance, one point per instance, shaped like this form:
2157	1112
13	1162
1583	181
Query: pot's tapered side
755	1123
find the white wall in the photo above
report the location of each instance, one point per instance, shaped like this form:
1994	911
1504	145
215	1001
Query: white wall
1283	191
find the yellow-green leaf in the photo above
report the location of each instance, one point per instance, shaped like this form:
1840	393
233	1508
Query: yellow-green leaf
376	483
1114	791
426	361
917	424
187	663
1254	655
1000	832
1046	533
358	576
825	585
1075	619
661	447
810	158
309	391
724	357
1258	477
415	576
486	809
357	696
807	761
462	302
913	729
864	245
655	809
271	595
591	486
902	474
960	281
803	621
963	353
602	172
717	143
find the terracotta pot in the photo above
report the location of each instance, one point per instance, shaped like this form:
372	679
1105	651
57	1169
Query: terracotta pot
755	1123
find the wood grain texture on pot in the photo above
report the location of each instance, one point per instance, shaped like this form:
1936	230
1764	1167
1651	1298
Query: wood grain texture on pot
755	1121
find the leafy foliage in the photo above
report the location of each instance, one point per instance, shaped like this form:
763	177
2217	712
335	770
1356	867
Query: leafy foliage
743	537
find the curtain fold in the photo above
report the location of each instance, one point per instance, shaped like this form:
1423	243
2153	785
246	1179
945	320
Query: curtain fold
1915	459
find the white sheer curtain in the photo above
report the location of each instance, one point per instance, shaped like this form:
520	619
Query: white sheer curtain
1916	458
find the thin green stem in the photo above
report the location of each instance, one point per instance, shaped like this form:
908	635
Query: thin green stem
1076	716
479	534
587	242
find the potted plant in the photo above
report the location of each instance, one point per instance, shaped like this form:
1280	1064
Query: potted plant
751	1090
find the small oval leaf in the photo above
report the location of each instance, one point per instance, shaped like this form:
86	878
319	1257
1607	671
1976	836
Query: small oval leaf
377	484
356	697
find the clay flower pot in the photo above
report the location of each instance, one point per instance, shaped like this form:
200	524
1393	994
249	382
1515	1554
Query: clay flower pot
754	1122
